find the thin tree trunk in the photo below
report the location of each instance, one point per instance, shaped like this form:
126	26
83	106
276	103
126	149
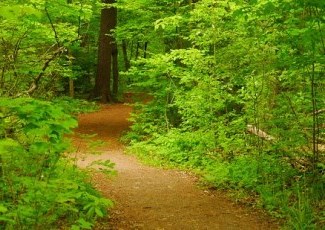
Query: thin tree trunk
115	71
2	80
125	55
71	87
315	120
132	48
145	50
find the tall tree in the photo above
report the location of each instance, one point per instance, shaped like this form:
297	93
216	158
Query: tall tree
106	54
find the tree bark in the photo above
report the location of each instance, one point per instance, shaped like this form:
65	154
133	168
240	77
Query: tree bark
102	88
71	88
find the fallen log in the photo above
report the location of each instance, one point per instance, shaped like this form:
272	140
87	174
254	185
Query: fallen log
319	111
260	133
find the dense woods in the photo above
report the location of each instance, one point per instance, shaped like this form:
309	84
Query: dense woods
236	93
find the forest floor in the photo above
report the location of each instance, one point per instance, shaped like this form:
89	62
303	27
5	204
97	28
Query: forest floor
153	198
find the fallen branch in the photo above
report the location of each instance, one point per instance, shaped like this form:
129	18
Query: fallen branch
319	111
260	133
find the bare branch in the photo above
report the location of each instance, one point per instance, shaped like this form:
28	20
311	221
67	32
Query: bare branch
53	27
34	84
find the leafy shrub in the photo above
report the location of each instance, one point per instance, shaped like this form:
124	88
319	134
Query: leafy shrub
75	106
40	187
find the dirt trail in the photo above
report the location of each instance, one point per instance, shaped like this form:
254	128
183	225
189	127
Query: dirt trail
152	198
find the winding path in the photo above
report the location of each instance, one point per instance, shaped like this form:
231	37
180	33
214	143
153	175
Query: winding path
153	198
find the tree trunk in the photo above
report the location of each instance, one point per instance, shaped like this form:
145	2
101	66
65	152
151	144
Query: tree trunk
145	50
114	56
125	56
71	88
115	71
131	51
102	88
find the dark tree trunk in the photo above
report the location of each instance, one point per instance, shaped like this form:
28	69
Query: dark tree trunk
131	51
145	50
125	56
115	71
102	88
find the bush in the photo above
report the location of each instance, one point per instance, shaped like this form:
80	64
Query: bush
40	186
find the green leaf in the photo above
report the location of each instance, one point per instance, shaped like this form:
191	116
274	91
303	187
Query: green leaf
99	212
83	224
3	209
75	227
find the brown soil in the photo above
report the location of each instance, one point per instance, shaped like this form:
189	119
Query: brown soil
153	198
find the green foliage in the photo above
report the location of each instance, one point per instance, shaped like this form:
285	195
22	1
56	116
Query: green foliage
75	106
40	187
39	44
301	214
227	66
105	167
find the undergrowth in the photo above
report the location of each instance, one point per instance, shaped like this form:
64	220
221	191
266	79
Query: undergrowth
272	183
40	185
262	179
75	106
